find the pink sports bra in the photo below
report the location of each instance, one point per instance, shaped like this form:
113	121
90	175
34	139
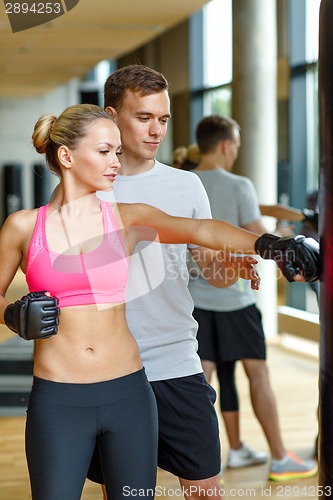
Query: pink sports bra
96	277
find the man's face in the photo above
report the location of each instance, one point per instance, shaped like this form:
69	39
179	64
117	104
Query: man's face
232	149
143	124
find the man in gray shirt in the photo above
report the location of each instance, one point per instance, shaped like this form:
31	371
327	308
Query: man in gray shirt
230	327
161	320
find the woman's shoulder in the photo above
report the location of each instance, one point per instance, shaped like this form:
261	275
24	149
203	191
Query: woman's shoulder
21	221
134	209
137	214
23	215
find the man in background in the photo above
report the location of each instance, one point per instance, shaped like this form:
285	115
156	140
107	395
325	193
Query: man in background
230	327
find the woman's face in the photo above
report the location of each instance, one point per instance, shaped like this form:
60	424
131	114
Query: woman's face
95	162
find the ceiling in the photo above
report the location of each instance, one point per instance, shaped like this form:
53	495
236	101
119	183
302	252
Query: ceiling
35	60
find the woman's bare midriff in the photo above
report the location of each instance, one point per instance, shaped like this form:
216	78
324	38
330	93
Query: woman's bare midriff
86	349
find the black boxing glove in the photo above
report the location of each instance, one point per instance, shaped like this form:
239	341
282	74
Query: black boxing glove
298	255
311	216
34	316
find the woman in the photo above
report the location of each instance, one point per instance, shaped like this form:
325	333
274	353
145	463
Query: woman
89	384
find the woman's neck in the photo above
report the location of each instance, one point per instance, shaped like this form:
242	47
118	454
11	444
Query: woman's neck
73	202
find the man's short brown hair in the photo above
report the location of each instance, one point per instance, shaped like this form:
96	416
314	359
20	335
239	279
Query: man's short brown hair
134	78
213	129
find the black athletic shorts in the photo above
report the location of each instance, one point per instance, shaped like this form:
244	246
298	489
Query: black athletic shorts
189	444
230	336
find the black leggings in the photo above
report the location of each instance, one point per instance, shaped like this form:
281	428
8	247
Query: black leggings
228	390
66	421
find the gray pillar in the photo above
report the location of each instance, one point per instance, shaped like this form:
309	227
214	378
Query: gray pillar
254	102
254	107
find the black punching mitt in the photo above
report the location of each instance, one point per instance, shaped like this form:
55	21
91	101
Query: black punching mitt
311	216
34	316
298	255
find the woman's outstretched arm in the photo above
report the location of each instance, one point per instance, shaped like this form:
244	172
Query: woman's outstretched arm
297	258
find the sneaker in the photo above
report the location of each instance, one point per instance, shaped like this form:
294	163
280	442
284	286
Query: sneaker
245	457
291	467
